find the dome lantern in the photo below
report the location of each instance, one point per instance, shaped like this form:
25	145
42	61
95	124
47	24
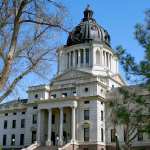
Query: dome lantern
88	13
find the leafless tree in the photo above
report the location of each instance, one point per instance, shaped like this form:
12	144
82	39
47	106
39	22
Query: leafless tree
27	35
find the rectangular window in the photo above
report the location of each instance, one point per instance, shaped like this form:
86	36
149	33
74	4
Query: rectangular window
14	124
21	139
53	119
5	124
71	61
86	102
140	136
23	113
107	60
4	139
102	135
34	119
86	115
102	115
12	139
6	114
113	135
76	57
68	60
33	136
86	89
86	134
124	135
87	56
64	118
34	107
14	113
81	56
22	123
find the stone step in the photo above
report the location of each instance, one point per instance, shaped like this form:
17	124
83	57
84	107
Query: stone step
47	148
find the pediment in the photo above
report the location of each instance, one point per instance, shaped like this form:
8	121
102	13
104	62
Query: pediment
73	74
119	79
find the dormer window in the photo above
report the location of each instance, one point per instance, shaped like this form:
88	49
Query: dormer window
64	94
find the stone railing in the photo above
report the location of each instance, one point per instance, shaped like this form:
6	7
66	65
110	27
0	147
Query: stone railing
31	147
65	147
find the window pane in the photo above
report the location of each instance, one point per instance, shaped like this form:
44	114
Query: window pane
87	56
112	135
13	139
4	139
86	134
102	135
86	115
33	136
14	124
102	116
71	61
53	119
22	123
34	119
140	136
76	57
21	139
5	124
81	56
68	60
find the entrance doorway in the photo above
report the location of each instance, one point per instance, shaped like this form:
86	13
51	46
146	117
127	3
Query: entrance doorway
53	138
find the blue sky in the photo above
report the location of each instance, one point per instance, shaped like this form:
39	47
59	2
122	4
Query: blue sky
118	17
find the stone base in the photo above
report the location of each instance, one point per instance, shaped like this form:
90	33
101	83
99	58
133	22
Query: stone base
48	143
112	147
101	147
92	147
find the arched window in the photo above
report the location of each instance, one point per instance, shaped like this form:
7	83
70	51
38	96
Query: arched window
98	57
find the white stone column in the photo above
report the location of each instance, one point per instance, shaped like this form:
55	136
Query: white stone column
49	126
61	126
38	135
106	59
73	125
110	62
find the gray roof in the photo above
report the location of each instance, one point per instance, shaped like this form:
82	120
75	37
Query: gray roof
88	30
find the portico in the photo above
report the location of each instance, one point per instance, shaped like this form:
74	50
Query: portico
57	124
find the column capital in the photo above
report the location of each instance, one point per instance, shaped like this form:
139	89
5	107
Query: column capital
74	106
61	107
50	109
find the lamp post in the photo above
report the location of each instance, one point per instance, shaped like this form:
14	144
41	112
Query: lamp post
117	142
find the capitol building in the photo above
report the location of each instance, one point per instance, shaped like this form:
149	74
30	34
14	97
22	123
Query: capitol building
70	113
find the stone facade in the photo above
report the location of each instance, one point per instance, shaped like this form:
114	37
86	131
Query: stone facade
71	110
